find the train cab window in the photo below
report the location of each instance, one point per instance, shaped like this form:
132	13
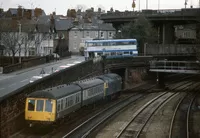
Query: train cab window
31	105
48	107
40	105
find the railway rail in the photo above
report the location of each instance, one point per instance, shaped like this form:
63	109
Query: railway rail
140	119
185	104
72	120
87	128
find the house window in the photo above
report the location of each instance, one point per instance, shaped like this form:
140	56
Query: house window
75	33
75	46
102	35
87	34
96	34
31	52
110	35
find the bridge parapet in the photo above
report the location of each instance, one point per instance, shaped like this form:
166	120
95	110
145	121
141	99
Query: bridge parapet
127	61
192	67
171	49
167	12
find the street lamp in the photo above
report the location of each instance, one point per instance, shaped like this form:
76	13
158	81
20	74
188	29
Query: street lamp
20	30
120	32
146	4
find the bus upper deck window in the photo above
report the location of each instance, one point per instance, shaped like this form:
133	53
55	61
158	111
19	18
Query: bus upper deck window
40	105
48	107
31	105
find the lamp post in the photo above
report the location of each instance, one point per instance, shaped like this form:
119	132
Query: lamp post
20	30
146	4
120	32
185	4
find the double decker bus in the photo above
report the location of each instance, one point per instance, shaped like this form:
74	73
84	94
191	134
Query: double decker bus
114	48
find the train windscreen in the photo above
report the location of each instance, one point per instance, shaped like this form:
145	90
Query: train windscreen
40	105
48	107
31	105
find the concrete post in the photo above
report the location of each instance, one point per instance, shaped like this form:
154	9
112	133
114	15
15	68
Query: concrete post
126	78
160	80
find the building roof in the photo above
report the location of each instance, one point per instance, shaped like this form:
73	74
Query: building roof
89	26
9	25
63	24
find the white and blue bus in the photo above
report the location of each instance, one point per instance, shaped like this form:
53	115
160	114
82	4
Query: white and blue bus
114	48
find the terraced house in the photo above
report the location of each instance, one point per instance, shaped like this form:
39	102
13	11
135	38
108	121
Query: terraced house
87	31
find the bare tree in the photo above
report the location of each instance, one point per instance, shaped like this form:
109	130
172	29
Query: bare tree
38	41
39	37
28	41
10	41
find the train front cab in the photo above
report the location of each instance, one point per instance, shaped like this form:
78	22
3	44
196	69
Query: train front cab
40	109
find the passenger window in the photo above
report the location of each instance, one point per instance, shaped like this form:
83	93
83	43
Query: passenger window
58	109
61	104
40	105
48	107
66	103
31	105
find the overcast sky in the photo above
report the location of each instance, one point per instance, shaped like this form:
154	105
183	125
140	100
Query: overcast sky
61	6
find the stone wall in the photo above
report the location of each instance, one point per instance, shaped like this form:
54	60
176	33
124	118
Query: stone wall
12	105
134	76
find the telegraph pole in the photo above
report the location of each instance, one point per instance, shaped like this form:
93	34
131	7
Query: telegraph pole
146	4
199	3
185	4
139	5
20	30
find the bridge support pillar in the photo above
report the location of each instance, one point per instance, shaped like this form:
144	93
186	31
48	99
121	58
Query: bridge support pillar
167	33
160	82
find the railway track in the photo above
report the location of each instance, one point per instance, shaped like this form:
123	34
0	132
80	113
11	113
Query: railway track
179	126
140	118
87	128
70	121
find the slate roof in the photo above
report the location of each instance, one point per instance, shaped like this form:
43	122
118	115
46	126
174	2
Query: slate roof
63	24
102	27
8	25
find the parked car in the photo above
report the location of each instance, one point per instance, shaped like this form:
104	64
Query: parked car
77	62
56	56
61	68
34	78
70	65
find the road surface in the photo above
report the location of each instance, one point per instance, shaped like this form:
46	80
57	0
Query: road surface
13	81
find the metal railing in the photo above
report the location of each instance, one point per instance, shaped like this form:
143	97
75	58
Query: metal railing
175	65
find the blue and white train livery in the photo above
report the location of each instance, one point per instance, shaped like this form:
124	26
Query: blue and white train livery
114	48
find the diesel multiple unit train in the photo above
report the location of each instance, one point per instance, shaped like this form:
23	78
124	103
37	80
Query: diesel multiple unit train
49	105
